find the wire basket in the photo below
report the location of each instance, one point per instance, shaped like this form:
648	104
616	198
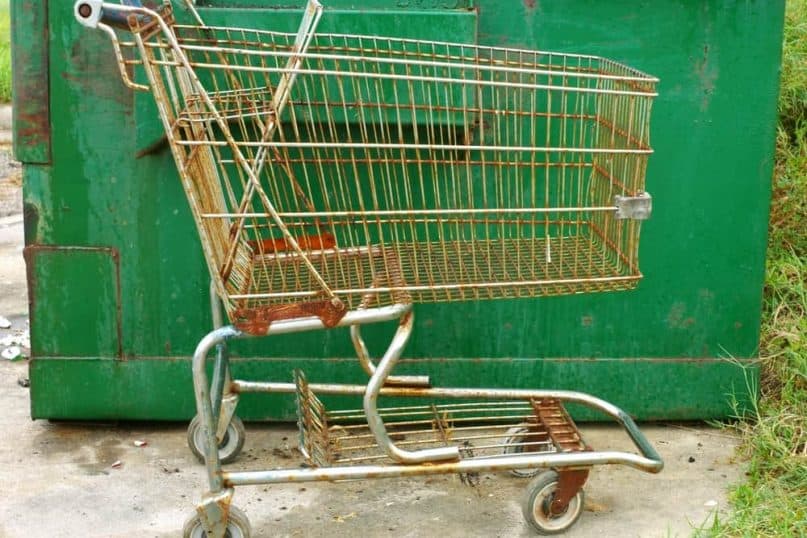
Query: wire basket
482	429
331	172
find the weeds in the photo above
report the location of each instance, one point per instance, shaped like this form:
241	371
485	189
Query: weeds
773	500
5	52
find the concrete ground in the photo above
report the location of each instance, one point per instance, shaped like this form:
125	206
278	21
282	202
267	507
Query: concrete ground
91	480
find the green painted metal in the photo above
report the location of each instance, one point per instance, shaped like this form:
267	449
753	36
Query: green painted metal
655	351
122	396
450	25
64	326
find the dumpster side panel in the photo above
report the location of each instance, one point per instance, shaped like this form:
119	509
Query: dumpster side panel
81	315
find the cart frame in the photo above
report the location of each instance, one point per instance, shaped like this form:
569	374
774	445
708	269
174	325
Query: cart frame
217	398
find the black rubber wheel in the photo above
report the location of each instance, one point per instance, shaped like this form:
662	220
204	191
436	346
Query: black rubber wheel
512	445
229	448
237	526
535	507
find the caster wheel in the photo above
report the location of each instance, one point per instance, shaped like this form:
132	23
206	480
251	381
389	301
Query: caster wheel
512	445
535	507
230	446
237	526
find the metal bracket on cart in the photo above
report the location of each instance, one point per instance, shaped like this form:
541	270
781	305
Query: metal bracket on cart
636	207
214	510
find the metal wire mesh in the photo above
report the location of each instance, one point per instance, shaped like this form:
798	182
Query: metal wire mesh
378	170
482	429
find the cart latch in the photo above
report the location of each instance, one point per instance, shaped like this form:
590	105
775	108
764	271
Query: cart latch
636	207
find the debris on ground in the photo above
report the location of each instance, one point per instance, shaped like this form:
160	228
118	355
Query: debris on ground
342	519
18	338
12	353
24	382
284	453
117	464
14	346
138	443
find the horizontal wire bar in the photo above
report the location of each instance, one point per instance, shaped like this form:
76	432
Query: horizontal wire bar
428	411
418	410
415	212
473	63
392	76
559	55
440	407
470	285
377	145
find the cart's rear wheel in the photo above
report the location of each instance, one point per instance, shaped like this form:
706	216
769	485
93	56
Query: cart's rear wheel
237	526
514	437
535	507
230	445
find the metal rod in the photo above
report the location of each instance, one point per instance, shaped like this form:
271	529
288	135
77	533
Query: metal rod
374	420
446	44
481	393
471	63
411	78
203	404
470	285
431	147
369	367
406	212
374	315
501	463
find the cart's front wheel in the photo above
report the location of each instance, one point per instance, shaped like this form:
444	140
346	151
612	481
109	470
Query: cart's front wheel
537	501
230	445
237	526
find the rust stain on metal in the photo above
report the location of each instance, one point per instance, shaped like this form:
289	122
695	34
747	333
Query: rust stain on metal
560	427
570	482
148	28
536	437
31	85
306	242
257	320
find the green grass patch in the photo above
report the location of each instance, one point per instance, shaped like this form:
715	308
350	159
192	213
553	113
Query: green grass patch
5	52
773	500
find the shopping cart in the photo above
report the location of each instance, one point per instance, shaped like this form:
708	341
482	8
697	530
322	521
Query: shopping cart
337	180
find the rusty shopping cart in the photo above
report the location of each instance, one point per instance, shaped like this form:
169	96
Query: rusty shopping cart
337	180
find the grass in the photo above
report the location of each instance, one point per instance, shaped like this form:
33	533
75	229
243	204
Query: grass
5	52
773	500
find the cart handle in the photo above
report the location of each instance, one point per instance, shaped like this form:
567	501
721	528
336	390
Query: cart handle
105	16
102	16
93	13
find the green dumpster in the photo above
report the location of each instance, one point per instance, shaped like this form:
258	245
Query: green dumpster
119	289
